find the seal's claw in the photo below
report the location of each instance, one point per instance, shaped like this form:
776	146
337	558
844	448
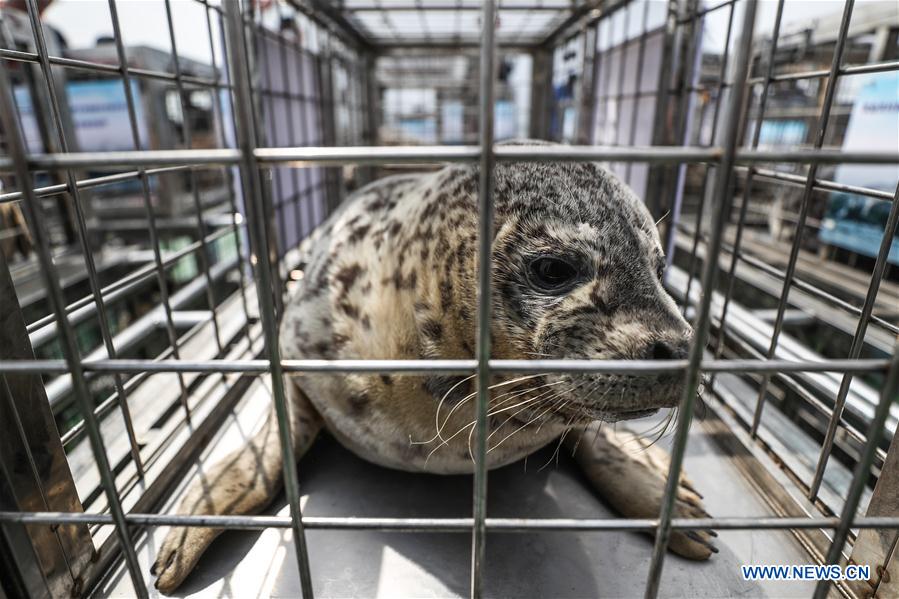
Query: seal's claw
172	565
634	483
691	544
179	553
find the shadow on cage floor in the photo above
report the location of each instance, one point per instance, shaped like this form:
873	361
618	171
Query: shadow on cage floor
548	564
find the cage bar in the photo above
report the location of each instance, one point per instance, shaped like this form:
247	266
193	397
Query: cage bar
701	325
246	135
485	256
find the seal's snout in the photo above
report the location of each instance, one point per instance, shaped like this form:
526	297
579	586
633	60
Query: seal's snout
673	346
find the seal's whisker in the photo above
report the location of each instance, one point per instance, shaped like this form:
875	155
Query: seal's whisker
701	406
581	436
657	430
521	403
514	392
471	425
559	398
437	413
515	431
439	427
511	416
596	434
519	393
508	419
667	429
446	441
664	216
555	454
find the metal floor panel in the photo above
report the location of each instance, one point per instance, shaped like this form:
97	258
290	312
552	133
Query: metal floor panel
334	482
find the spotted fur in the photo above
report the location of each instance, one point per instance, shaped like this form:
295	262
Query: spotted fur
393	274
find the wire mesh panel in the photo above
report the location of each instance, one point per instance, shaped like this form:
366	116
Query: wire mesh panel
147	277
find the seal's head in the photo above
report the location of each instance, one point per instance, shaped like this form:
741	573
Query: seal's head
577	274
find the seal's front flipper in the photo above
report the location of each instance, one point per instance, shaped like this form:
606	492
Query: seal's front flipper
630	474
243	483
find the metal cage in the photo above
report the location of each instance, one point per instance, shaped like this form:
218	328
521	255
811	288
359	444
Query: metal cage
257	150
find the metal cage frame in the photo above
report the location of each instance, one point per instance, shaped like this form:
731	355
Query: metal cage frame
724	160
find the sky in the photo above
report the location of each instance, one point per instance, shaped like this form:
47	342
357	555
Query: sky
143	22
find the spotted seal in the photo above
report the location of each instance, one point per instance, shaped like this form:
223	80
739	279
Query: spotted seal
577	268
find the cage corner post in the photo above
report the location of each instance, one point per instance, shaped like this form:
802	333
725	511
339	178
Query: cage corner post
37	560
879	547
36	221
882	501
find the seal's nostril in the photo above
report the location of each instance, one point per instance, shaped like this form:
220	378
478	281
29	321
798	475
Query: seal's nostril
662	350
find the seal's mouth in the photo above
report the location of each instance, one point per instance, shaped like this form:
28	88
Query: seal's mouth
621	397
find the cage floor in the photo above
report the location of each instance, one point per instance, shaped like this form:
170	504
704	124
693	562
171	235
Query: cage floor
334	482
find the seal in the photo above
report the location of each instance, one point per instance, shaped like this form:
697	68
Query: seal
577	267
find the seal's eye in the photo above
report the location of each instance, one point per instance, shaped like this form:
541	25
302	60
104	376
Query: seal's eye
552	275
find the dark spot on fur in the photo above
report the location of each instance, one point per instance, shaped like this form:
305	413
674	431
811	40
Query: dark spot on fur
358	403
322	349
385	378
349	309
446	294
432	329
347	277
429	211
401	282
464	313
359	233
377	204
